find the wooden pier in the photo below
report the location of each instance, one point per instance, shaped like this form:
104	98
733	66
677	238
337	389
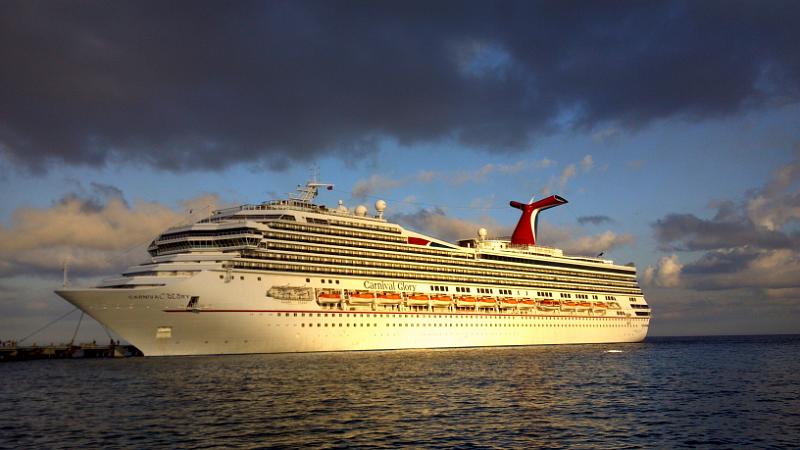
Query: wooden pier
14	352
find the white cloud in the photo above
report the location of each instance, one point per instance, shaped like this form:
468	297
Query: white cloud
587	163
479	175
93	237
605	134
666	273
567	174
374	184
436	223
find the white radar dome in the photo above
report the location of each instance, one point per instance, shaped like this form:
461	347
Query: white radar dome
361	210
482	233
380	206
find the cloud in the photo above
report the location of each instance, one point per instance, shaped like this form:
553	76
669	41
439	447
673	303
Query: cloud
667	273
95	237
595	244
751	243
380	183
574	242
205	85
635	164
374	184
746	268
477	176
438	224
687	232
435	222
566	175
587	163
594	220
543	163
605	134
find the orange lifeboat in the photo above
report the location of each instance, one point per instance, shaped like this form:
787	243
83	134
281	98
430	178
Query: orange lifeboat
418	300
569	305
508	302
549	304
584	305
466	301
441	300
526	303
328	297
600	305
361	297
486	302
389	298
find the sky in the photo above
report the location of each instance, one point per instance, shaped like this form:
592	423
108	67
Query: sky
672	128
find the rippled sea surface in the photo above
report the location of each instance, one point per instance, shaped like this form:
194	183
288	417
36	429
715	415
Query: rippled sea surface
664	393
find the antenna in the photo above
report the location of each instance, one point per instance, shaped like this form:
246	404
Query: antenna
66	275
310	191
314	173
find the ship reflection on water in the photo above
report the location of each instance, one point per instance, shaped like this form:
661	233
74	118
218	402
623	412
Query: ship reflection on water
660	393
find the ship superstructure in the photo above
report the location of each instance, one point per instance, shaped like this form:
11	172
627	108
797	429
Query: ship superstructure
290	275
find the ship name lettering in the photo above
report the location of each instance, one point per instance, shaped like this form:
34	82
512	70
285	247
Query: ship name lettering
162	296
390	285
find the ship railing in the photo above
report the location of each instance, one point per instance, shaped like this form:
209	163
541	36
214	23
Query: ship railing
289	205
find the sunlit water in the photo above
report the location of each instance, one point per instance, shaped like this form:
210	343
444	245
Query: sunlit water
667	392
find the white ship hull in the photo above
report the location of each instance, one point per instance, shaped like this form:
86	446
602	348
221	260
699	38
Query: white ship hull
232	313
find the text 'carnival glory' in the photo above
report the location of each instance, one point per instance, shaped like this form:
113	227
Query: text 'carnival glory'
293	276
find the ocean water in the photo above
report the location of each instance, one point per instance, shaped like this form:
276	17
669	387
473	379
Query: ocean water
709	392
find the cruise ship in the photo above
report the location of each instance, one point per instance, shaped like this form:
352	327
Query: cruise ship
294	276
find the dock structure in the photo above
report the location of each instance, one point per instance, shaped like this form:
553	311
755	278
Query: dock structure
11	351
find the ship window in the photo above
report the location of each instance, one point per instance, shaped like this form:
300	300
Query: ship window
221	277
241	278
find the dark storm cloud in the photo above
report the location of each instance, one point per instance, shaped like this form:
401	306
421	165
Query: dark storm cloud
687	232
593	220
209	84
750	243
94	200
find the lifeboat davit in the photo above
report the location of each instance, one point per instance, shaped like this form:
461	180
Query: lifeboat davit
525	303
361	297
441	300
418	300
599	307
389	298
328	297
